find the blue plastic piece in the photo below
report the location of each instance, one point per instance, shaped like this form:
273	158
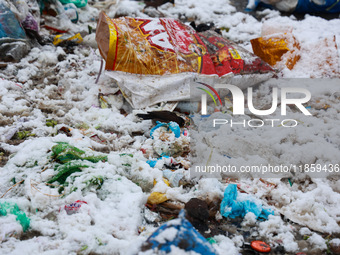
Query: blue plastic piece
304	6
180	233
252	4
9	25
173	126
153	162
307	6
232	207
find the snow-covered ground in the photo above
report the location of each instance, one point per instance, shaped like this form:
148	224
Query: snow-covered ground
53	83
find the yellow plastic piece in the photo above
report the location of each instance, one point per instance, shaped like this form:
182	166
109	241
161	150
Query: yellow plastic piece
61	38
164	180
156	198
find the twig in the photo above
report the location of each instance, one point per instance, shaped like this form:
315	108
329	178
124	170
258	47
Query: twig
12	188
34	187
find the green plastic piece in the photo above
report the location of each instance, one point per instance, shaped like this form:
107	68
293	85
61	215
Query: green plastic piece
95	159
78	3
211	240
66	170
64	153
71	159
95	181
126	154
11	208
290	182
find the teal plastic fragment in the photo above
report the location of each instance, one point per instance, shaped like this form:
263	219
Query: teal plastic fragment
232	207
173	126
13	208
78	3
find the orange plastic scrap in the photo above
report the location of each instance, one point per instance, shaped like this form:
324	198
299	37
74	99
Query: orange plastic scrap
151	46
260	246
272	48
269	49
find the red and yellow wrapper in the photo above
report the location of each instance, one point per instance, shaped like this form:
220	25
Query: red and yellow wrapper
151	46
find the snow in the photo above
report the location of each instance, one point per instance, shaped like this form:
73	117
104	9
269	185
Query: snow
317	241
167	235
42	87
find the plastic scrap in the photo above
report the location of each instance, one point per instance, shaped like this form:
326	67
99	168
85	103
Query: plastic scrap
65	170
15	16
167	140
190	52
68	11
260	246
67	38
13	43
72	160
232	206
156	198
78	3
27	13
9	25
166	159
164	180
271	48
30	23
13	51
328	6
173	126
152	163
174	54
298	6
64	153
12	208
226	54
74	207
184	236
173	177
211	240
71	12
169	55
95	181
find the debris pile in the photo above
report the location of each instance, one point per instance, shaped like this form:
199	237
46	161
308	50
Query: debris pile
101	162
